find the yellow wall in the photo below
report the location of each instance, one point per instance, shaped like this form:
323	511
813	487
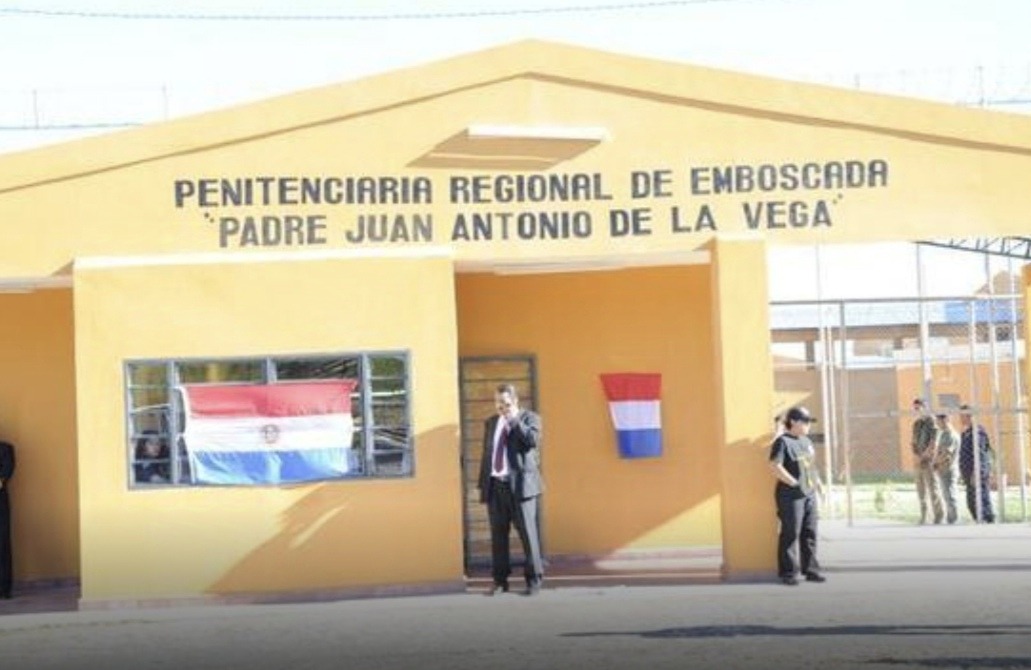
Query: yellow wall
189	541
1026	292
743	381
659	117
581	325
114	196
37	415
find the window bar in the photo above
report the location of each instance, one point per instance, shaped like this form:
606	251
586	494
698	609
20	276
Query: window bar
368	442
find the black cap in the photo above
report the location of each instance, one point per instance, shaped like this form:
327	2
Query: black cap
798	414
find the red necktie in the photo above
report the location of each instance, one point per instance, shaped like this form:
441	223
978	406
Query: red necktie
499	450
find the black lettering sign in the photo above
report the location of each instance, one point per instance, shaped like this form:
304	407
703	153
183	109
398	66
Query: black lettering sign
779	214
703	220
391	228
271	231
635	221
651	183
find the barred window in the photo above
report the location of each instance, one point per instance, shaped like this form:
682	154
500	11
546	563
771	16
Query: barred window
367	435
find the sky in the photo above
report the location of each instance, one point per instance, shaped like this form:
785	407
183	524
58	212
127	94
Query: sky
87	61
74	66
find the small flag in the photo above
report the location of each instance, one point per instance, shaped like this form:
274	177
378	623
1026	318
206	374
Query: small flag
634	405
268	433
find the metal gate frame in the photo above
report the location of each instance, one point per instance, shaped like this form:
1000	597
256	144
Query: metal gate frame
829	353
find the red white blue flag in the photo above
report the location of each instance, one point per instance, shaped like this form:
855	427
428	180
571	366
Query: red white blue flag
268	433
634	405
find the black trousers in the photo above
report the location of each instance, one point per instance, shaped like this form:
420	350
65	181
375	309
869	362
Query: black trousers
6	574
504	510
798	520
987	513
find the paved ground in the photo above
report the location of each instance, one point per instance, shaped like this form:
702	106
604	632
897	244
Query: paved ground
898	597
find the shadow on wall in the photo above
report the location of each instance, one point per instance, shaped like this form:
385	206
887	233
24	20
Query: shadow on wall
611	321
498	153
621	507
351	534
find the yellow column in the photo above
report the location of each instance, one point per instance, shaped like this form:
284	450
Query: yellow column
744	384
1026	290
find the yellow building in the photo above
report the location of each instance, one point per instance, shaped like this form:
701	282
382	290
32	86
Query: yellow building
535	212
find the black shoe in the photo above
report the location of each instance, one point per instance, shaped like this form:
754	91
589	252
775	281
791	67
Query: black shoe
496	589
5	596
789	581
815	577
532	589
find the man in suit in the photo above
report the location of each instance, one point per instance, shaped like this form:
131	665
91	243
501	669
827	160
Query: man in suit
6	470
510	484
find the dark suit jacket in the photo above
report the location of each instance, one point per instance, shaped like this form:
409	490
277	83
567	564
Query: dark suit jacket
524	458
6	465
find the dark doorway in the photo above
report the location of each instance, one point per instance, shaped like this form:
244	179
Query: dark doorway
478	379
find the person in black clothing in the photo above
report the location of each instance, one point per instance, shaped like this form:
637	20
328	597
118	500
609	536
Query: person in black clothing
151	461
967	466
792	462
6	567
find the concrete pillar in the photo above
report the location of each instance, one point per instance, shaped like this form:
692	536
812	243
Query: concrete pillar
744	383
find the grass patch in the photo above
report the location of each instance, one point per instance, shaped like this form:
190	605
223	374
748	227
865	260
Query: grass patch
896	500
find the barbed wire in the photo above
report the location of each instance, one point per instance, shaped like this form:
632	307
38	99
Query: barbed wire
387	16
152	103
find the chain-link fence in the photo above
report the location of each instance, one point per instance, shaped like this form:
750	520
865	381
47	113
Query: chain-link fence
858	364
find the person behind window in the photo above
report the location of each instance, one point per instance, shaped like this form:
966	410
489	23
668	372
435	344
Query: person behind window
151	461
792	459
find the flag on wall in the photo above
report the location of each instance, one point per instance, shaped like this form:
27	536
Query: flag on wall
634	406
268	433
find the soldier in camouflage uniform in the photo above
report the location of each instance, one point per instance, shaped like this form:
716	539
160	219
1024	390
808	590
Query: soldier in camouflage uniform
946	464
928	489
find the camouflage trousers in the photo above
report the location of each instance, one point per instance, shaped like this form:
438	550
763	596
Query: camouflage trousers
948	478
928	490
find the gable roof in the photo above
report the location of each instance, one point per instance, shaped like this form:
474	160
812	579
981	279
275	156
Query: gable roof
664	81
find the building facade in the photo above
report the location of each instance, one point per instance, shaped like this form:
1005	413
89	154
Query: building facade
537	209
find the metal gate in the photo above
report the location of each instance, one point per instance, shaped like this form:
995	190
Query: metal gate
478	379
858	364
